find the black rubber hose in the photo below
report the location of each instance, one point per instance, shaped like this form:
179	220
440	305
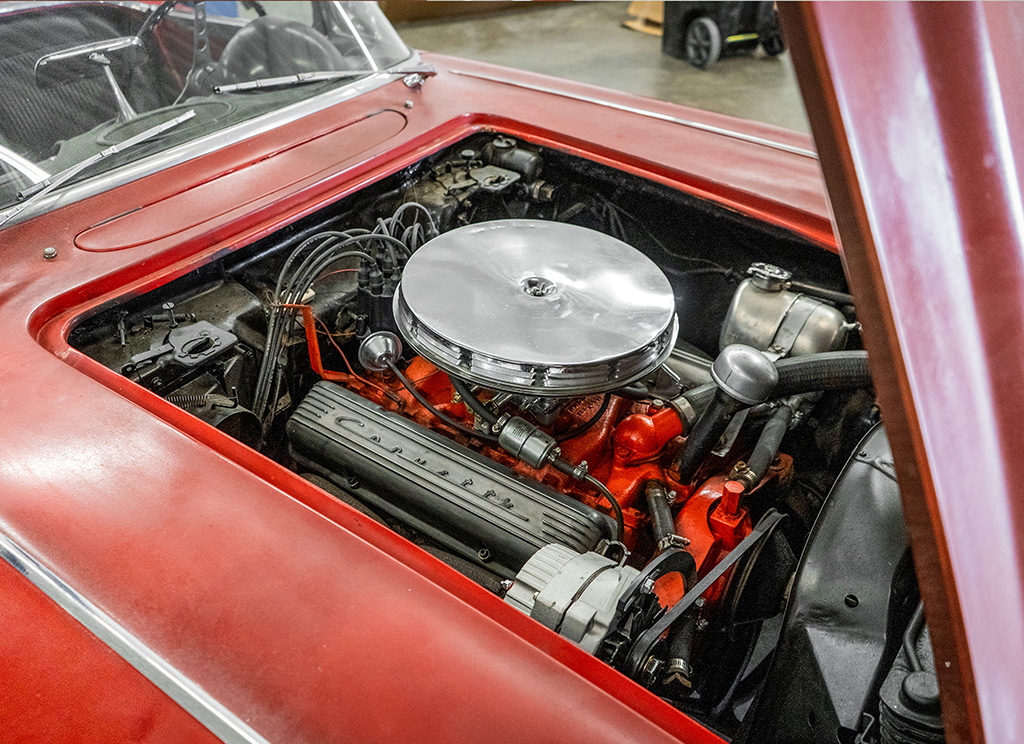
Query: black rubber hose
661	513
407	383
636	391
699	398
830	370
474	403
680	641
767	446
910	638
829	295
705	434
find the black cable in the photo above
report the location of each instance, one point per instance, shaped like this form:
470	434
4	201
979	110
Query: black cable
491	418
585	426
620	521
318	261
327	238
620	212
474	403
706	270
387	239
281	319
415	205
407	383
314	255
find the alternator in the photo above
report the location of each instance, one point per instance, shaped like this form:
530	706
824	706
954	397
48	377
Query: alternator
574	594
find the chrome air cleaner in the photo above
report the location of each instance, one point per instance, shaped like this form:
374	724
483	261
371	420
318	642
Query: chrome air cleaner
535	307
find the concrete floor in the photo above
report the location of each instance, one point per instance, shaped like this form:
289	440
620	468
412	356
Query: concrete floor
586	41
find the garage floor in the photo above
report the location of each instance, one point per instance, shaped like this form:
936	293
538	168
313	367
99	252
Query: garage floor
586	41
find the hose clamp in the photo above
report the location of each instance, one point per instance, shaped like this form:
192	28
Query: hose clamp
687	415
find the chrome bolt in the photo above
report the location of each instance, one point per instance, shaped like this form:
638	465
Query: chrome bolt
49	253
650	670
171	320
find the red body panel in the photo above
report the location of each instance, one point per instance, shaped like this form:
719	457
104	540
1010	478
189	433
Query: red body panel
306	619
51	668
922	151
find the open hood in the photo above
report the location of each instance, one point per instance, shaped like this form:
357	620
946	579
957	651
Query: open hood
919	129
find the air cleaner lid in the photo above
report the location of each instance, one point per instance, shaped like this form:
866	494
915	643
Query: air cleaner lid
539	307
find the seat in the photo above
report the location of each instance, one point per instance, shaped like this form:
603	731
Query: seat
31	119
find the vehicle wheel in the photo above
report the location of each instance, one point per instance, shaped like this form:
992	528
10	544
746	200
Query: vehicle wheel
703	42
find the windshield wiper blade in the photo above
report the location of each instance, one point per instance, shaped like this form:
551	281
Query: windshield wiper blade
301	78
38	190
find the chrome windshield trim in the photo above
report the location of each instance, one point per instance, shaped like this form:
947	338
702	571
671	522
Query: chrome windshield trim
220	721
210	143
356	35
753	139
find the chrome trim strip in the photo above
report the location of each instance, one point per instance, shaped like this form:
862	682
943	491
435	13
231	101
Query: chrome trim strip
356	35
220	721
644	112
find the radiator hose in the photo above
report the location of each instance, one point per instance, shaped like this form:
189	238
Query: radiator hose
767	447
830	370
743	377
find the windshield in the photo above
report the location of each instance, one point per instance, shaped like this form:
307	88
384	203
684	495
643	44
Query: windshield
81	78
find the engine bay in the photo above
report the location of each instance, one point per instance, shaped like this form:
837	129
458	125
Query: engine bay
640	418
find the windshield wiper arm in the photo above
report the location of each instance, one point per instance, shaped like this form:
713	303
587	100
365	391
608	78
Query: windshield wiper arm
301	78
38	190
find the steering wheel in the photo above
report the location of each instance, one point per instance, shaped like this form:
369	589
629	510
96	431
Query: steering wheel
202	61
271	46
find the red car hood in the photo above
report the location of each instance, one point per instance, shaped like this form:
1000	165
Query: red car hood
921	134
